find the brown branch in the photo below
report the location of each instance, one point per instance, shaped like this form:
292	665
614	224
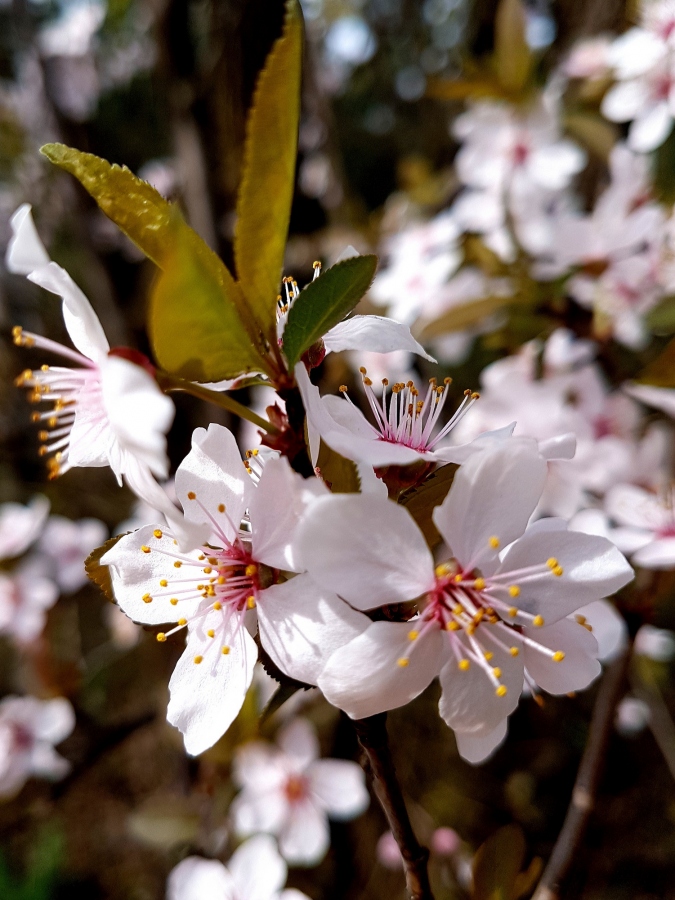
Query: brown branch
372	735
588	776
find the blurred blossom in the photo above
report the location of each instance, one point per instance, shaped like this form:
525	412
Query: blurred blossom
656	643
632	716
72	33
25	597
589	58
21	525
646	525
410	83
445	842
123	632
161	174
74	86
315	175
66	544
350	40
540	29
289	792
388	853
29	730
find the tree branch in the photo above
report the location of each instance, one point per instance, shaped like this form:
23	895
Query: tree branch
372	735
588	776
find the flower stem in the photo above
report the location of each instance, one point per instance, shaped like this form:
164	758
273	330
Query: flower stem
170	383
588	776
372	735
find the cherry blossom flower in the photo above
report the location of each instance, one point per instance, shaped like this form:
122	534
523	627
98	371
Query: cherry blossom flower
496	612
21	525
65	545
658	397
25	596
648	525
229	585
291	793
29	730
254	872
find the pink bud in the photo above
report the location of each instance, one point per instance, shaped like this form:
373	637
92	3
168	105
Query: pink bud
388	853
445	842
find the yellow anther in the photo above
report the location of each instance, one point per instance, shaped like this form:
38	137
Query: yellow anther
488	655
225	650
368	382
221	579
146	598
403	662
413	635
207	570
457	578
447	380
558	656
43	451
362	370
501	691
177	564
458	610
316	264
514	651
145	549
497	672
161	637
453	626
475	395
343	388
251	570
538	621
217	605
514	591
43	435
552	562
191	495
479	584
174	601
157	533
211	633
558	571
513	612
581	619
464	665
493	542
182	622
443	569
163	582
198	659
221	507
250	602
212	560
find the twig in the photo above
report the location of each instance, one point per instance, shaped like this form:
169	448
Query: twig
588	776
372	735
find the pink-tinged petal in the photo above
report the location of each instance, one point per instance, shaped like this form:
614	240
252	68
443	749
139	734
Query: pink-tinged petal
659	398
650	129
253	812
139	413
136	575
367	549
476	749
349	416
580	665
55	720
461	452
92	443
491	500
196	879
292	894
592	568
660	554
339	787
214	472
21	525
609	628
469	701
305	838
375	334
258	767
365	677
47	763
631	505
624	101
564	446
635	52
25	250
275	508
369	483
84	327
299	742
553	165
207	696
302	624
257	869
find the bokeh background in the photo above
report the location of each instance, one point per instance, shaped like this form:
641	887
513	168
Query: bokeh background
163	86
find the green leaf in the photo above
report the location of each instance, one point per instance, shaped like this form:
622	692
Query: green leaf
340	474
97	573
325	302
513	58
268	179
420	501
497	865
196	332
661	319
459	317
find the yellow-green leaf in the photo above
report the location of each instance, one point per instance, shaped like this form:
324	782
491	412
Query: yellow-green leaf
593	132
422	500
97	573
266	190
497	865
340	474
463	316
195	330
513	58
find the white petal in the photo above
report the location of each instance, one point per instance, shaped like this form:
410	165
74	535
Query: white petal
302	624
634	507
375	334
339	787
563	446
660	554
84	327
257	869
492	496
25	250
552	166
624	101
55	720
368	549
635	52
365	678
299	742
206	697
459	453
213	470
477	749
580	665
21	525
650	129
609	628
258	767
592	568
369	483
195	879
306	837
659	398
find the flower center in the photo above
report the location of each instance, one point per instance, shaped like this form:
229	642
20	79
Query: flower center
403	417
296	789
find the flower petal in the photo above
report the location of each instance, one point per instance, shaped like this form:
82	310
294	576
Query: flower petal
305	838
299	742
580	665
195	878
376	334
660	554
365	677
302	624
25	250
339	787
367	549
257	869
476	749
650	129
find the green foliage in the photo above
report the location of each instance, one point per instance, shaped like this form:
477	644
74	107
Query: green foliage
325	302
661	372
513	59
420	501
661	319
43	867
459	317
339	473
266	191
497	865
97	573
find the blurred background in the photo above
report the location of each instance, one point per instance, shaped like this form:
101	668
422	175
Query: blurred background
163	87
